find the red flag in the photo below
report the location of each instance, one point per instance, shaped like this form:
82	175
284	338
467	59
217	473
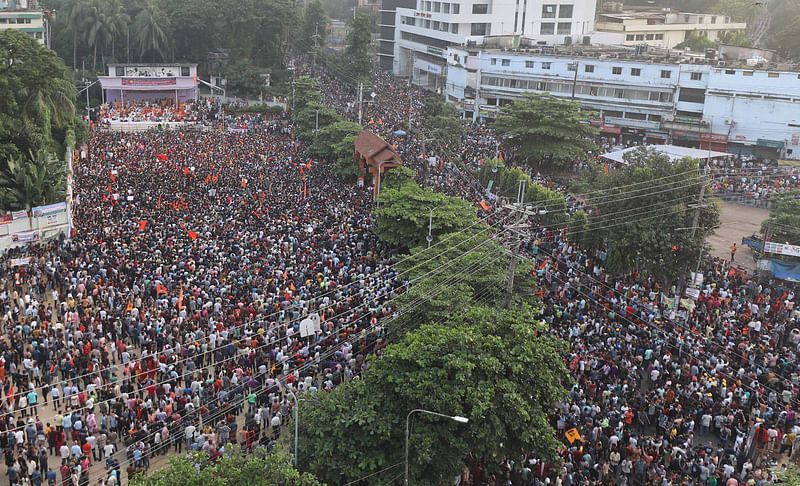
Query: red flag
112	178
160	289
485	206
162	157
192	234
301	171
159	201
109	188
544	264
142	225
606	167
305	190
208	178
185	171
180	299
244	182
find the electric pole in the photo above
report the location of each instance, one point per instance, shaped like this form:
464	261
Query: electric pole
520	230
360	94
316	38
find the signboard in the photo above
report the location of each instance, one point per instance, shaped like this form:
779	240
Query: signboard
433	68
41	211
5	219
763	142
713	137
573	435
782	249
19	214
20	261
436	51
148	81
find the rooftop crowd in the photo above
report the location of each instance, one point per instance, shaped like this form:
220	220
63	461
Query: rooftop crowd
170	321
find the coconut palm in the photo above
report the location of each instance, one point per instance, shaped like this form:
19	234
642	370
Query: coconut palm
151	27
98	32
118	21
76	17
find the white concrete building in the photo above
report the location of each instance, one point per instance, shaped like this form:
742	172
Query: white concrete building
706	105
664	28
31	21
423	34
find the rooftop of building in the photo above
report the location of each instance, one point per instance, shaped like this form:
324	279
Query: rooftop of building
756	57
662	16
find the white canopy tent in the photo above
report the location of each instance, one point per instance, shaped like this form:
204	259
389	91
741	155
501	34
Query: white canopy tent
674	152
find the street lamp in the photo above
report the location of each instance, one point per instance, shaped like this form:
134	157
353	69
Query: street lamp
455	418
297	420
429	238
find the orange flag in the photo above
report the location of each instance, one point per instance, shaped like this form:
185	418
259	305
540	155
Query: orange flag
142	225
185	171
159	201
112	178
244	182
305	190
485	206
192	235
180	299
160	289
208	178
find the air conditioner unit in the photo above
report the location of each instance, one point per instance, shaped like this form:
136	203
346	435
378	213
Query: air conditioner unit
720	63
705	122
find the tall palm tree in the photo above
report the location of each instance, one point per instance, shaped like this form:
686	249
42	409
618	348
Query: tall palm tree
97	31
76	17
151	27
118	21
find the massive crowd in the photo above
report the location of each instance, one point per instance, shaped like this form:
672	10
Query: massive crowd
175	318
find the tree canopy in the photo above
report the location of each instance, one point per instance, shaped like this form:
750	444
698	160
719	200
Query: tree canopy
232	469
441	121
404	213
546	130
641	215
489	365
505	182
783	223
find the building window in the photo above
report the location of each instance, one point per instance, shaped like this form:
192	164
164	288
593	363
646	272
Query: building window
548	11
529	64
589	68
454	28
479	29
773	75
437	6
565	11
692	95
700	20
427	6
713	19
730	71
639	37
446	8
636	72
545	65
564	28
650	36
630	37
635	116
506	62
612	113
480	8
435	25
697	76
616	70
427	24
619	93
659	36
655	118
547	28
750	73
456	8
494	61
666	74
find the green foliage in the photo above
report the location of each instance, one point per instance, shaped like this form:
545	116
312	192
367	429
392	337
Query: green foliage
404	214
482	264
153	30
737	38
547	130
234	469
697	42
579	229
441	122
244	79
311	114
784	218
306	90
265	108
789	475
356	62
737	10
315	23
36	99
644	211
25	184
336	142
506	184
489	365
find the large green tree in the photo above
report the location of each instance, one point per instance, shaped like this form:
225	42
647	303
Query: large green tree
404	215
232	469
152	31
311	116
336	142
546	130
441	123
641	215
356	63
495	367
783	223
25	183
550	206
315	26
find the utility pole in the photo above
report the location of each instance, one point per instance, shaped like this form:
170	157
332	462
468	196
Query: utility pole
316	121
519	228
410	83
574	79
360	94
316	37
695	224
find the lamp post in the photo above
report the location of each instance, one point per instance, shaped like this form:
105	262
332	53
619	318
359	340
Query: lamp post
429	238
297	420
455	418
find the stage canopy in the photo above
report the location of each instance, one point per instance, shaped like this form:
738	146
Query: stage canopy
674	152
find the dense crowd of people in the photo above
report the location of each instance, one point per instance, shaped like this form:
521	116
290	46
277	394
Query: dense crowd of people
211	273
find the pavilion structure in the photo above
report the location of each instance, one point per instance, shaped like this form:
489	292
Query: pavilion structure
375	156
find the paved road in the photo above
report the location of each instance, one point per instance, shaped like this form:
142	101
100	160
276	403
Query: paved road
736	221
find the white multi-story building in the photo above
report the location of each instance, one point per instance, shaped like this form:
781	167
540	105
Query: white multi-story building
32	21
423	34
736	108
